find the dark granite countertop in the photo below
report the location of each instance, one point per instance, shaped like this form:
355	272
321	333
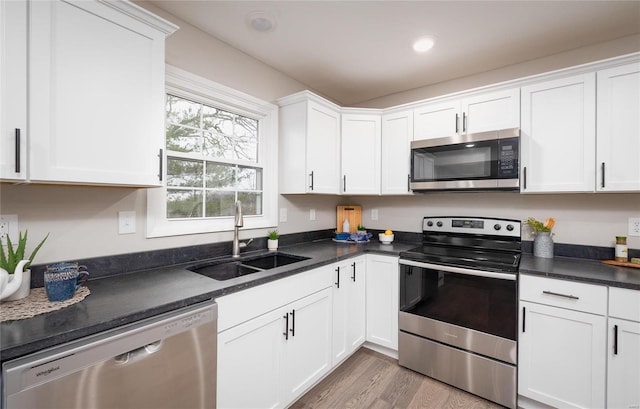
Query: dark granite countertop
586	271
127	298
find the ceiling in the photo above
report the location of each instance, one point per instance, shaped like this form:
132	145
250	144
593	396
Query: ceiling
355	51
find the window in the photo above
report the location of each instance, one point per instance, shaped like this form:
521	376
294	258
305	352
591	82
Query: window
221	146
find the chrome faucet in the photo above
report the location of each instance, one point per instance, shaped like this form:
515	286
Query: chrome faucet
239	222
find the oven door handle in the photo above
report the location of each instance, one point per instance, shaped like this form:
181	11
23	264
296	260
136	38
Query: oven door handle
460	270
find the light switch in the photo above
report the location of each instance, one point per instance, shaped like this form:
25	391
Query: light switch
126	222
374	214
283	214
312	214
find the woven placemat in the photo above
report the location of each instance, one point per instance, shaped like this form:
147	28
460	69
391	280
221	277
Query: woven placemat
37	303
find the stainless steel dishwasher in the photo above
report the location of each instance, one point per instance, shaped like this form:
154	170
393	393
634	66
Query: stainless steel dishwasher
168	361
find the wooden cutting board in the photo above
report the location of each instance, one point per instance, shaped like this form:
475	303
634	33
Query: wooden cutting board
351	213
620	263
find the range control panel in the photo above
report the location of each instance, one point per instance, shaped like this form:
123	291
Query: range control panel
472	225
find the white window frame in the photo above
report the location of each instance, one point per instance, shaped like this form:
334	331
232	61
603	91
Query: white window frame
186	85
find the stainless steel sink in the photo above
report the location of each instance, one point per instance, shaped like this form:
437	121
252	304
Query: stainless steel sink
226	270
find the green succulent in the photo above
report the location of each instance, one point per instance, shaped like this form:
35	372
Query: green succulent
273	235
9	260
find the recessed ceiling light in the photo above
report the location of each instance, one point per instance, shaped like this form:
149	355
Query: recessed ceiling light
261	21
424	44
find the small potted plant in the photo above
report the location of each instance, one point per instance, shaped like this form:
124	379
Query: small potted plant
542	242
362	229
272	240
10	262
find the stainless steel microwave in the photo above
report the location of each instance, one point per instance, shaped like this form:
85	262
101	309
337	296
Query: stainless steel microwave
480	161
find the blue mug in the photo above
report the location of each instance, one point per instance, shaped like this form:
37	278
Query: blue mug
61	280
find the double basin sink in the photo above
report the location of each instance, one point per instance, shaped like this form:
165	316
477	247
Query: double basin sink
225	270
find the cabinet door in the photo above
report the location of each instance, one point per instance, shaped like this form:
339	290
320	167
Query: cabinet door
323	149
623	381
250	358
360	154
96	95
382	300
348	308
558	135
397	134
13	90
618	137
561	356
308	350
436	120
491	112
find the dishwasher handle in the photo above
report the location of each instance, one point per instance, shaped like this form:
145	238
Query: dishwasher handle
137	354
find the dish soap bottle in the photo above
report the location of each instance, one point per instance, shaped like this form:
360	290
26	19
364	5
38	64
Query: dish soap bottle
345	226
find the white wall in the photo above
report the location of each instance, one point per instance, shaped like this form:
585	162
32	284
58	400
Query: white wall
82	221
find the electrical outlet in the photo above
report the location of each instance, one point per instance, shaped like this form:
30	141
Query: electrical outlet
8	227
126	222
374	214
634	226
283	214
312	214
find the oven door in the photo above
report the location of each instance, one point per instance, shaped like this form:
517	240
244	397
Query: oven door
476	161
468	309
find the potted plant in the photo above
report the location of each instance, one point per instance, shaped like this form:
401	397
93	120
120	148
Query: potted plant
16	266
362	229
272	240
542	242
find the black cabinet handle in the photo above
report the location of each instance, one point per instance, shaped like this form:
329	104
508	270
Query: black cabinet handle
286	326
456	123
408	182
353	277
344	183
311	186
464	122
161	156
573	297
337	283
602	174
524	177
615	340
17	150
524	318
293	323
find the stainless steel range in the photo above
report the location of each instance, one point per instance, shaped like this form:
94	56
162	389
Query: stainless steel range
458	305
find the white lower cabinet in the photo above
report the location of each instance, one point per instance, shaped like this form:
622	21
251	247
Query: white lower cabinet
623	356
382	300
268	357
348	308
562	343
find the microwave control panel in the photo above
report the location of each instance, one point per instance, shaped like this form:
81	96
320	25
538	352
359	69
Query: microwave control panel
508	152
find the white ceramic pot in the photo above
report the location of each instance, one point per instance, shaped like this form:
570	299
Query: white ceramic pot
24	289
11	283
272	245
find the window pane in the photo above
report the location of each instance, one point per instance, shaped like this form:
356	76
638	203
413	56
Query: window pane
183	112
230	136
184	203
182	172
220	204
218	146
246	133
251	202
220	176
217	121
249	178
183	139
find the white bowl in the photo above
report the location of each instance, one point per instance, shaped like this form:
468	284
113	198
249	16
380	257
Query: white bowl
384	239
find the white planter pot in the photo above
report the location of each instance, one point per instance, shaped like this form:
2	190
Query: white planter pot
24	289
272	244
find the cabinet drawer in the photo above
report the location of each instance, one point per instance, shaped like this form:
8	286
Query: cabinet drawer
565	294
624	303
236	308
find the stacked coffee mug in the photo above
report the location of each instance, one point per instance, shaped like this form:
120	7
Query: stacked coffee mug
61	280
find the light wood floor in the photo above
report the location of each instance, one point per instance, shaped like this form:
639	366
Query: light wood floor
372	380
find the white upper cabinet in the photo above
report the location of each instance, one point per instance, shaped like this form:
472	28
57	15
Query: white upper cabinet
618	129
558	135
397	134
309	144
361	139
13	90
479	113
96	93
